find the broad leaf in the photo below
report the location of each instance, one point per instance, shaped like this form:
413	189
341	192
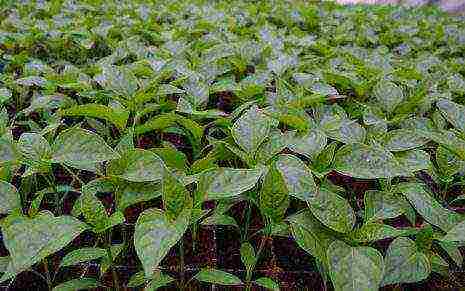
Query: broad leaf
9	198
174	195
251	129
274	195
404	263
119	80
79	147
116	115
403	139
310	144
155	235
456	233
268	283
388	95
298	178
453	112
332	210
383	205
354	268
82	255
30	240
78	284
33	146
138	165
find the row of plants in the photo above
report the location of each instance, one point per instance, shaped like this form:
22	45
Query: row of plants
128	125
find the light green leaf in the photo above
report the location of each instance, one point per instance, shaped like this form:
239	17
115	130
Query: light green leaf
78	284
131	193
220	219
219	277
5	95
388	95
332	210
227	182
33	146
138	165
158	280
403	139
354	268
174	195
30	240
119	80
155	235
7	151
298	177
456	233
248	255
372	231
428	207
309	145
77	146
82	255
116	115
9	198
404	263
251	129
137	279
453	112
310	234
274	195
266	282
381	205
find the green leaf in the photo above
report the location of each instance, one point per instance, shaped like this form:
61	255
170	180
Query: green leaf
117	115
78	147
132	193
33	146
310	144
119	80
174	195
372	231
138	165
274	195
158	280
82	255
332	210
456	233
227	182
354	268
381	205
403	139
7	151
404	263
5	95
248	255
388	95
367	162
428	207
78	284
30	240
137	279
266	282
220	219
453	112
251	129
298	177
9	198
155	235
219	277
310	234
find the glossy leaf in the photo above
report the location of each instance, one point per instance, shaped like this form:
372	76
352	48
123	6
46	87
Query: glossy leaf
388	94
217	277
82	255
116	115
251	129
453	112
298	178
9	198
274	195
77	284
268	283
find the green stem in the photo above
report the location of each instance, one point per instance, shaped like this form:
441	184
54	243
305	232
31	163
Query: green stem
47	274
181	263
110	258
248	215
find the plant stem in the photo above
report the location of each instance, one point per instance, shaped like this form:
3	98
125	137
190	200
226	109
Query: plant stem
248	215
181	262
47	274
110	258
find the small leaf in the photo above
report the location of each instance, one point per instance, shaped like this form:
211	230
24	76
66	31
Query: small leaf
158	280
219	277
251	129
381	205
266	282
354	268
298	177
274	195
332	210
310	144
119	80
137	279
82	255
219	219
5	95
77	146
456	233
403	139
131	193
248	255
116	115
370	232
154	236
174	195
78	284
404	263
